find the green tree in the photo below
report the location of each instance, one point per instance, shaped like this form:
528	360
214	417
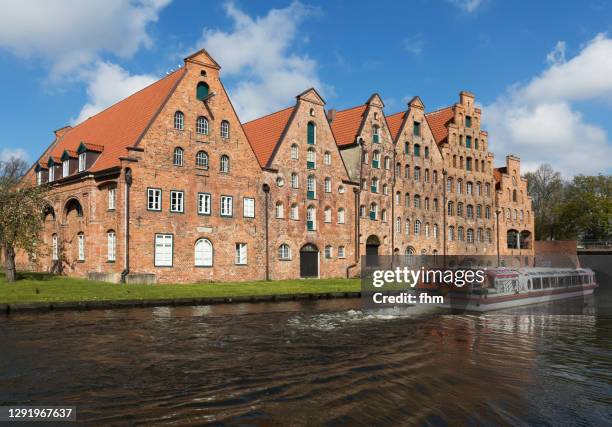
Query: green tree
21	208
586	209
546	189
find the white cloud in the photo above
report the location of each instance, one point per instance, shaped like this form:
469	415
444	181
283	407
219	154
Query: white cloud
109	83
468	6
256	51
414	44
7	154
68	34
538	122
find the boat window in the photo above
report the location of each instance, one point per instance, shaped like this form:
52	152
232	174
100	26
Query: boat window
537	283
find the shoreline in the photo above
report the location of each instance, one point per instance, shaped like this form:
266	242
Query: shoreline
45	307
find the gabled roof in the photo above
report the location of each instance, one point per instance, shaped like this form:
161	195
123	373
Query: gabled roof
119	126
264	133
394	122
346	124
438	120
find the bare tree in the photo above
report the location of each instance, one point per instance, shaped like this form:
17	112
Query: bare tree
546	190
21	207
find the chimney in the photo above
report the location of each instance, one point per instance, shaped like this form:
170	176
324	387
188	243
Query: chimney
331	115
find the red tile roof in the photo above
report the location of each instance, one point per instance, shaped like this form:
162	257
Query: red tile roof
437	121
497	173
119	126
394	122
264	133
346	125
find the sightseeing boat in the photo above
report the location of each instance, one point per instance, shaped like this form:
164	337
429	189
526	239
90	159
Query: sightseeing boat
509	287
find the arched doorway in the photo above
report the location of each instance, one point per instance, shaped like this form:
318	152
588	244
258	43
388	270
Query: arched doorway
309	261
372	244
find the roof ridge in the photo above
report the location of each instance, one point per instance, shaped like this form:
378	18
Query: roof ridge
439	110
351	108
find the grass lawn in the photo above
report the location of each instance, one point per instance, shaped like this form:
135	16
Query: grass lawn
38	287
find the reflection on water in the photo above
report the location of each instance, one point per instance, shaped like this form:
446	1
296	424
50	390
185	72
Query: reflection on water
314	362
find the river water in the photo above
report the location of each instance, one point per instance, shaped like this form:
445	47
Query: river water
315	363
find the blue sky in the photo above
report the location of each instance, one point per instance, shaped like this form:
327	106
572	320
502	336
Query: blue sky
541	70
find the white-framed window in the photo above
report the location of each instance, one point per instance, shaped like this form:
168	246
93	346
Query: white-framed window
468	188
54	248
328	185
427	230
284	252
417	227
385	189
341	216
177	201
383	215
373	211
280	181
65	168
295	152
407	227
398	225
311	218
81	246
111	244
82	161
51	173
154	199
248	207
295	180
327	158
111	198
435	231
225	129
295	212
311	158
470	235
374	185
311	187
204	203
387	162
202	125
341	252
327	214
39	177
241	254
329	251
227	204
179	120
164	248
279	210
376	159
177	158
224	164
202	159
362	211
451	233
203	253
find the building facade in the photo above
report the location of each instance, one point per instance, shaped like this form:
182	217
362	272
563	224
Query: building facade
169	186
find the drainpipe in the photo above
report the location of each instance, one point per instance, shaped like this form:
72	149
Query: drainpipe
393	212
266	190
126	218
356	193
497	227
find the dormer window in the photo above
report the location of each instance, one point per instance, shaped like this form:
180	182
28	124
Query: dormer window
82	161
65	168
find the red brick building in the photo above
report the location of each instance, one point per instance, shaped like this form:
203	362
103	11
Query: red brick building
168	186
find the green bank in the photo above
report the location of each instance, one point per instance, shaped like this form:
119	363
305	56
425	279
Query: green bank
45	288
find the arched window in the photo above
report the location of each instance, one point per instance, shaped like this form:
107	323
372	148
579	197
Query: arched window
295	152
470	211
383	215
362	211
426	175
311	218
460	234
376	159
311	158
426	203
488	235
470	235
295	180
178	157
375	134
450	209
327	158
513	195
459	186
479	237
111	244
374	185
451	233
417	173
449	185
385	189
417	201
311	187
478	189
426	152
373	211
468	188
202	159
435	231
417	227
327	214
203	253
387	162
81	246
427	230
488	212
460	209
311	133
225	129
202	125
478	211
179	120
284	252
224	164
407	171
407	226
54	247
341	216
364	157
280	210
201	91
327	185
398	225
329	251
435	177
417	150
